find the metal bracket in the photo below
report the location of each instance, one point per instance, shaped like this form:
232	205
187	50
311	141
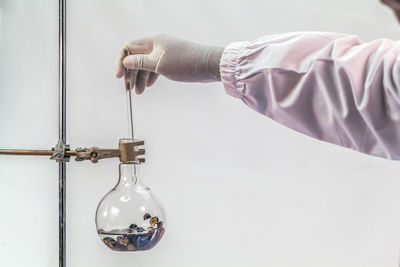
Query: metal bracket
130	150
94	154
59	152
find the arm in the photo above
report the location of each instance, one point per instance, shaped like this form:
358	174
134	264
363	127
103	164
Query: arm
332	87
329	86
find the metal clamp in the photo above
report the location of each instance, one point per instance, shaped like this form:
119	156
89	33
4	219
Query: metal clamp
94	154
59	152
128	151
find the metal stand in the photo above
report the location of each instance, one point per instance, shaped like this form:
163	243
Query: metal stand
62	132
128	150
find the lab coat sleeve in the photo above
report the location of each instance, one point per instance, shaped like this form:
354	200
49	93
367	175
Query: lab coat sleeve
329	86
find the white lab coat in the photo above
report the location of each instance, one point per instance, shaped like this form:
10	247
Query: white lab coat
333	87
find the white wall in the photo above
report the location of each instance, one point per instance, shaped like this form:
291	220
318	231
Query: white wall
239	189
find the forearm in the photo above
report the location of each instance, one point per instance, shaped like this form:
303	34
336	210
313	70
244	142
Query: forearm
332	87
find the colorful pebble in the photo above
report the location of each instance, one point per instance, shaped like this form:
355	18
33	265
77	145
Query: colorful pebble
123	241
153	221
109	242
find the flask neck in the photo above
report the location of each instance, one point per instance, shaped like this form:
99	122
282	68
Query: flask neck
129	172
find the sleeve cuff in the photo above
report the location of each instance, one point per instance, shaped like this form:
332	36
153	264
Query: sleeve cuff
228	69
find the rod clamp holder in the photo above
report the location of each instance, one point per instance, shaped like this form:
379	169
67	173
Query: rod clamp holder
60	152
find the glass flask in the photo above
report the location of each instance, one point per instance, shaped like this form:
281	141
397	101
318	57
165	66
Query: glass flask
129	217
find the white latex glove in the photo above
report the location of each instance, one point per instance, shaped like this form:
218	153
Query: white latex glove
175	58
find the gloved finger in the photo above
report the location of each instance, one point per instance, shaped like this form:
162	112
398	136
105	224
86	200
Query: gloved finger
140	46
140	62
141	81
119	67
152	79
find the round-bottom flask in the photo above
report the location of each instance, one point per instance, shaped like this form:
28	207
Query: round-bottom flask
129	217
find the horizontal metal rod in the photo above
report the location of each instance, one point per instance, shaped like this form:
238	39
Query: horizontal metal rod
26	152
128	150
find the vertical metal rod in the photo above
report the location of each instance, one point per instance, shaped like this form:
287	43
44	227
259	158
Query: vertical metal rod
62	131
61	229
62	73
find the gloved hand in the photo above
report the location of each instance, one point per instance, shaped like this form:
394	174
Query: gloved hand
175	58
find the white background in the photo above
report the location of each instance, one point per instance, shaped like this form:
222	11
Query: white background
239	189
